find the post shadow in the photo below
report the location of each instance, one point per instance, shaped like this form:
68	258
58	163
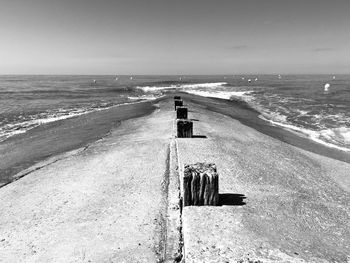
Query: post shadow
232	199
199	136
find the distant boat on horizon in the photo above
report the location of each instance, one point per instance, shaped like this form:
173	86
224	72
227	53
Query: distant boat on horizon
326	87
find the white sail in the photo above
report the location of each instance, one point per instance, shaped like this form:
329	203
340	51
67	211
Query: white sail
326	87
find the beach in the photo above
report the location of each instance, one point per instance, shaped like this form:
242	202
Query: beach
52	139
283	198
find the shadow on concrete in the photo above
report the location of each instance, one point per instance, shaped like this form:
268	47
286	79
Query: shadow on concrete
232	199
199	136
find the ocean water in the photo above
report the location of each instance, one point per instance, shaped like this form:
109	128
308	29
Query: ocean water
29	101
297	103
294	102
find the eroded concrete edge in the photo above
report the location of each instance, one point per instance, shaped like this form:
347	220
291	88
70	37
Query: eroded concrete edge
174	243
173	251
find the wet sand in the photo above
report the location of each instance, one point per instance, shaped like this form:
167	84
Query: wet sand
49	140
106	202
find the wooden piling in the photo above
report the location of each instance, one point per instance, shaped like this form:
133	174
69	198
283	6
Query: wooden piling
181	113
177	98
184	128
200	185
178	103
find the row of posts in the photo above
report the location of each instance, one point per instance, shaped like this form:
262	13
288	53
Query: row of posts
183	124
200	181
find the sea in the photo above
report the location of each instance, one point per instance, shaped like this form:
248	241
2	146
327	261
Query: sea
315	106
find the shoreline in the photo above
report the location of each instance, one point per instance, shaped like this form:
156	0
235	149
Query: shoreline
20	152
47	121
22	164
117	200
241	111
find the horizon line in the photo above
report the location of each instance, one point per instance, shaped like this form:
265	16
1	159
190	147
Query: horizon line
218	74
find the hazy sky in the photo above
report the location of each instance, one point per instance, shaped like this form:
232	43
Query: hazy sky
174	37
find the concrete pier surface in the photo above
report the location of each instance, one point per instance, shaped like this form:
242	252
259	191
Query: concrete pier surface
278	203
115	200
102	204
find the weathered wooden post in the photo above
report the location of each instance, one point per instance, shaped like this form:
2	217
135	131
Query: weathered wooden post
184	128
200	185
177	98
178	103
181	113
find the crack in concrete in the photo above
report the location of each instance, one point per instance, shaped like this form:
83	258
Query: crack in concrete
162	228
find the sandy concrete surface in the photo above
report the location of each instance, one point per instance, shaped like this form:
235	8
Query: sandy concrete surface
115	201
101	204
279	203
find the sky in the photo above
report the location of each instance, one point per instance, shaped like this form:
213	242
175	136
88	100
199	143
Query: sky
174	37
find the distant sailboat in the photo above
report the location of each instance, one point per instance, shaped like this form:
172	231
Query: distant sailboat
279	76
256	79
180	78
249	80
116	78
333	77
242	78
326	87
130	78
95	81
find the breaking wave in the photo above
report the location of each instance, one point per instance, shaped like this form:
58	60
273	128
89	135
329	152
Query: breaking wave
328	137
183	87
298	114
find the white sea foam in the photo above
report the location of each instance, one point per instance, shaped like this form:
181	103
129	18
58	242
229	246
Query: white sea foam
156	88
341	134
182	86
12	129
327	137
201	89
274	116
143	97
203	85
302	112
220	94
